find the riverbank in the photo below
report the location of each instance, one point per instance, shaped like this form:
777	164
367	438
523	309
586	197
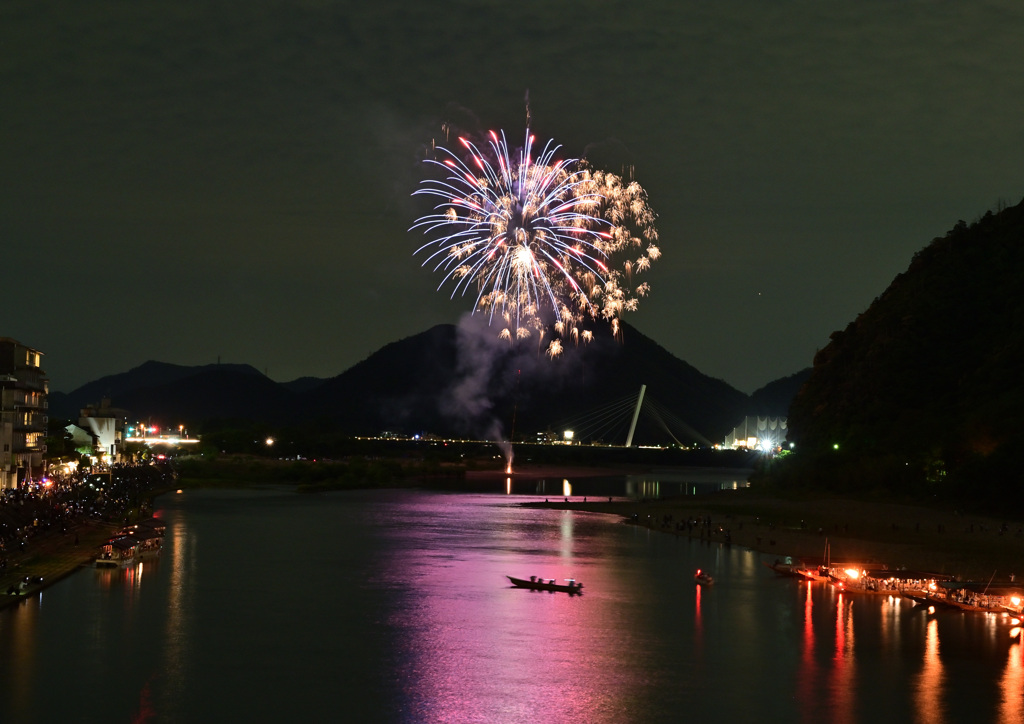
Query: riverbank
916	537
51	557
56	533
896	535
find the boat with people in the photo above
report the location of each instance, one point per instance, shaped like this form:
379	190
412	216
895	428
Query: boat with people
701	578
571	585
132	543
118	552
980	596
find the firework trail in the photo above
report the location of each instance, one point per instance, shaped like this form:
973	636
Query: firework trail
545	243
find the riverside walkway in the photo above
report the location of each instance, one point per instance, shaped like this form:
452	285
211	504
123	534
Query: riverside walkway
52	556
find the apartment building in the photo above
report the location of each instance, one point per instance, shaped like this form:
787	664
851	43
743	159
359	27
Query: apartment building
23	413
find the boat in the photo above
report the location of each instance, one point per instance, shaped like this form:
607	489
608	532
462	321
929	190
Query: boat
979	596
131	544
793	569
784	567
118	552
571	586
702	579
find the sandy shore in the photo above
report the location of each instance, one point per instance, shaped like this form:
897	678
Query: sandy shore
896	535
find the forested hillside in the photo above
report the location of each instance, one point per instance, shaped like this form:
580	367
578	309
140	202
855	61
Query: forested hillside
922	392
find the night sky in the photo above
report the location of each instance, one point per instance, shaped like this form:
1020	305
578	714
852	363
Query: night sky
198	180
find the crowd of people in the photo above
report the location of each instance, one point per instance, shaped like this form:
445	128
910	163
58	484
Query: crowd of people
61	502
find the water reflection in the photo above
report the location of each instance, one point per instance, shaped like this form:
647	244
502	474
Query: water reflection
929	690
175	650
535	655
807	681
698	624
689	481
635	487
841	685
1011	707
18	636
400	610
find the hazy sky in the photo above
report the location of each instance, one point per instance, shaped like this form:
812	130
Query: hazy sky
197	180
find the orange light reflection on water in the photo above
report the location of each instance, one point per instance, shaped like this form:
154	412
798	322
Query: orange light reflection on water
1011	705
807	682
175	652
841	684
930	708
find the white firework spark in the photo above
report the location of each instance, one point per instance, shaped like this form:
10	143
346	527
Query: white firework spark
537	237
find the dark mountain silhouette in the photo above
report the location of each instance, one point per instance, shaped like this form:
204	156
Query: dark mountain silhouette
212	393
922	391
465	381
453	381
149	374
303	384
774	399
395	388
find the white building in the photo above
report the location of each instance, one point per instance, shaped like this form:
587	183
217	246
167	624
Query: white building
107	424
758	433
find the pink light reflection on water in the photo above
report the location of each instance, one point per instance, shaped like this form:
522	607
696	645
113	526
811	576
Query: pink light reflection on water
698	624
536	655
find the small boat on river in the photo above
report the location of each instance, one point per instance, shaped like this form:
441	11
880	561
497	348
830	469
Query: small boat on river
702	579
791	568
571	586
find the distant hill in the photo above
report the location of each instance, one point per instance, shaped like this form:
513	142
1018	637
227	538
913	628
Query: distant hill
456	381
774	399
303	384
149	374
212	393
923	390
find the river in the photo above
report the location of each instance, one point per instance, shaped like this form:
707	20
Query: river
392	606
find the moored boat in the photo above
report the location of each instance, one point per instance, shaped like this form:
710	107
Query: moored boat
791	568
571	586
119	552
784	567
981	596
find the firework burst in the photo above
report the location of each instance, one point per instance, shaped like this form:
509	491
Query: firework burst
545	244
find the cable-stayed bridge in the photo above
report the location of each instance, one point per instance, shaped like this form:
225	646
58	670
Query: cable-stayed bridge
616	423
